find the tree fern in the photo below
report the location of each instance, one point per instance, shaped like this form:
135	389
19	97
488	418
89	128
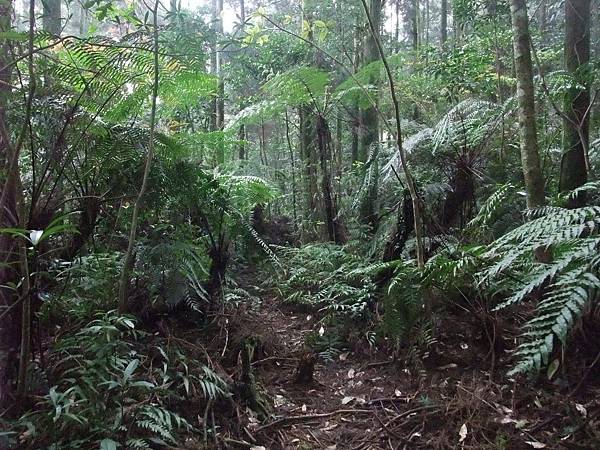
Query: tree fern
489	209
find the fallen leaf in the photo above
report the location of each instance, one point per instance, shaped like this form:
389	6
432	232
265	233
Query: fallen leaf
303	408
258	447
397	393
448	366
278	401
581	409
535	444
462	432
321	331
520	424
344	356
351	373
347	400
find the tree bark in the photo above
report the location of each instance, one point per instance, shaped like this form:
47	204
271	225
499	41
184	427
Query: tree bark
315	144
577	101
534	183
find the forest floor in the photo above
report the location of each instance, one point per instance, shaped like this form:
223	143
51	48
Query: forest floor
363	399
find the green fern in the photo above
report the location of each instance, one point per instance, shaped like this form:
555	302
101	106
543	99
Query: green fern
568	282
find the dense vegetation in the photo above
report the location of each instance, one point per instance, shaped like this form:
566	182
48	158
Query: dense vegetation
299	224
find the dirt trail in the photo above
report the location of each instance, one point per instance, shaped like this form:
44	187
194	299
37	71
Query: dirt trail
339	408
362	400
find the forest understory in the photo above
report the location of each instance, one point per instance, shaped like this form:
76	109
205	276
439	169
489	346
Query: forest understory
313	390
299	224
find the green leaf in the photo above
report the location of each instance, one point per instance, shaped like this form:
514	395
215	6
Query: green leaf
130	368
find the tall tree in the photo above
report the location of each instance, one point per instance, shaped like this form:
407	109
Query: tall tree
242	129
577	101
220	100
534	183
444	23
369	126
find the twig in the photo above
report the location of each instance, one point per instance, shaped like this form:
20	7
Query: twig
409	412
291	419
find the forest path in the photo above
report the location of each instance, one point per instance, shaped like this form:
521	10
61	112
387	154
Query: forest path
360	399
355	401
344	407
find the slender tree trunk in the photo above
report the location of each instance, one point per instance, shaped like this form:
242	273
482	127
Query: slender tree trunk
415	24
354	111
444	23
334	230
369	145
534	183
577	102
397	28
220	101
293	164
242	142
139	201
242	129
242	14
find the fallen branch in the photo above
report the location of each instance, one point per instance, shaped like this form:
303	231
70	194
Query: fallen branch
291	419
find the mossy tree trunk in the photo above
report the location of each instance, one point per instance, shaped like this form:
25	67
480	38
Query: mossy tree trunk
534	183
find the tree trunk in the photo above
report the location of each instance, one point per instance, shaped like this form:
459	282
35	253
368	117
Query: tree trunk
534	183
369	145
576	107
242	14
220	101
334	229
52	17
415	24
444	23
315	144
